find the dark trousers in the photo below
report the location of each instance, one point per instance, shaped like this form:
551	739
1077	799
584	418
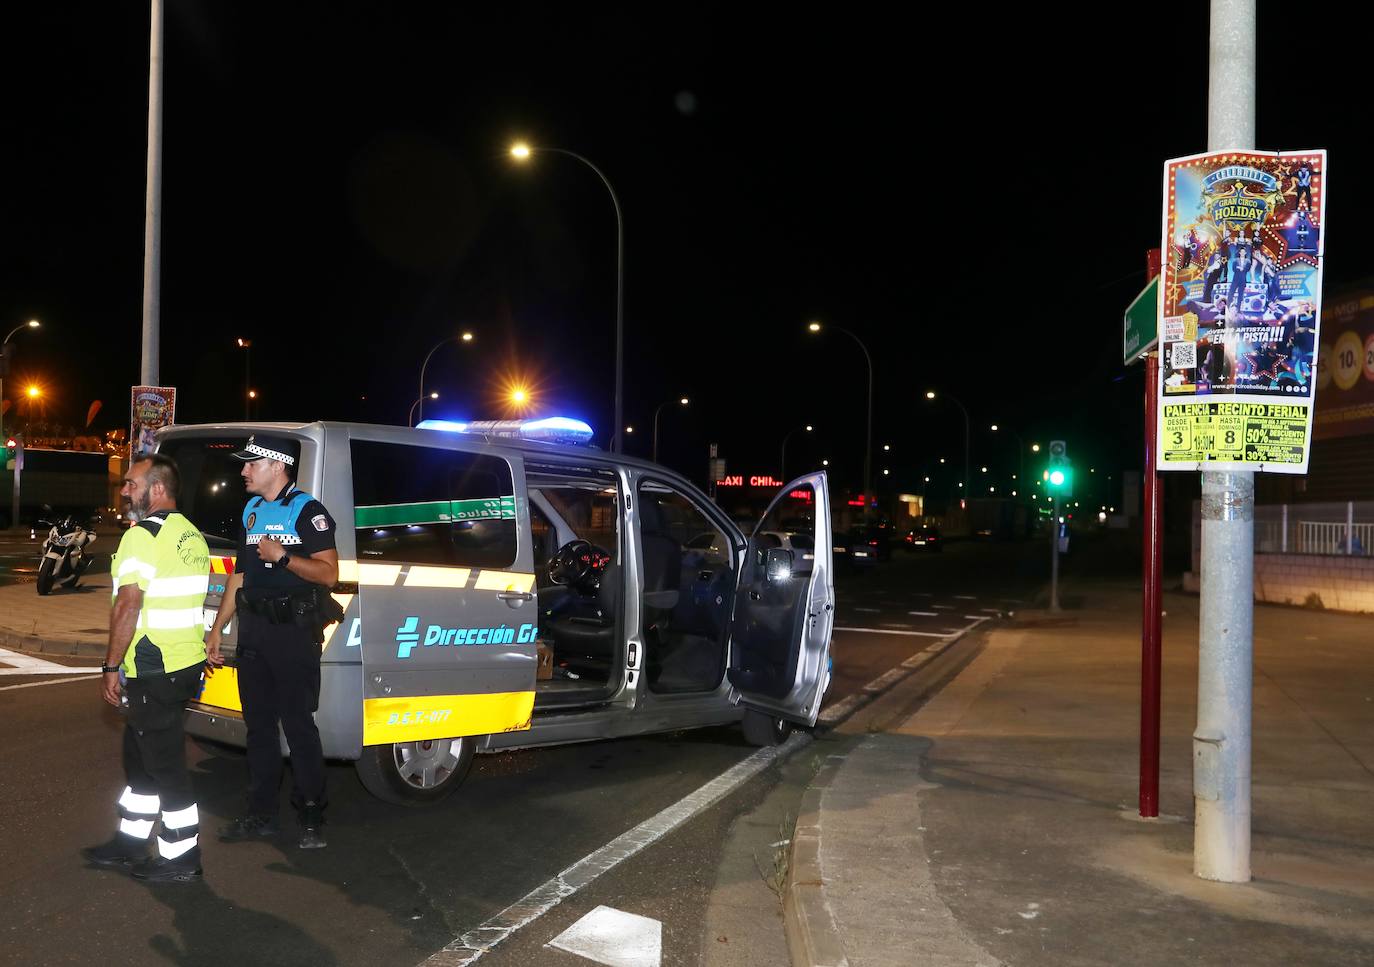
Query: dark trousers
155	736
279	682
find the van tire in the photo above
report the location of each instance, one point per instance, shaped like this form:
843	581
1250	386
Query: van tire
439	767
765	730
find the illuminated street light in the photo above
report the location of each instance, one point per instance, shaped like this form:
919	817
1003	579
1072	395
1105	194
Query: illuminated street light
681	401
464	337
31	324
522	151
930	395
629	429
868	436
1035	448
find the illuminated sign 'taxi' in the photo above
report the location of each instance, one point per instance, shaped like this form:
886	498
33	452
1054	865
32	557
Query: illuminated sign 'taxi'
738	480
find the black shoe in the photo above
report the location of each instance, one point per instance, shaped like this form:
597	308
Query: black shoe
158	869
120	853
312	826
249	827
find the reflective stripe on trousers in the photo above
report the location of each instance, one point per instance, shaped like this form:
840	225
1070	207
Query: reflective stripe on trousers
180	832
137	813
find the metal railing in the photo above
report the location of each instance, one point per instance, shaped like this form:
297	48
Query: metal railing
1334	528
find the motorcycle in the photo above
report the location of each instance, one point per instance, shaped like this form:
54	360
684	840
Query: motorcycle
64	556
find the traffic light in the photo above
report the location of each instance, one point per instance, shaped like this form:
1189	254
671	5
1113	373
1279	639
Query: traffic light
1059	474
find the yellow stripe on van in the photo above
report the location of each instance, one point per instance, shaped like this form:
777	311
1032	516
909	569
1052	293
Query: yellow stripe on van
222	689
348	571
504	581
444	716
384	575
437	577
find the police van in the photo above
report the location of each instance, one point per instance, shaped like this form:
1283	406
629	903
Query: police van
504	585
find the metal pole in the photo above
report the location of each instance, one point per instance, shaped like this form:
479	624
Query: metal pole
1221	743
656	413
152	211
1150	653
18	472
247	383
1054	555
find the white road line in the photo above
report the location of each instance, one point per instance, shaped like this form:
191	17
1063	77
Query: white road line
21	664
977	617
991	610
925	614
964	597
610	936
869	610
889	631
943	607
50	681
543	898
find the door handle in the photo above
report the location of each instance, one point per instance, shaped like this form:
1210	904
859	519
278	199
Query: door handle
515	598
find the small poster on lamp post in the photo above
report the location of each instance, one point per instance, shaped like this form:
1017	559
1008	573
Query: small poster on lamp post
151	408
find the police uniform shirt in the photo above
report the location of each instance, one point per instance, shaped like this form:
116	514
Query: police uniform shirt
295	518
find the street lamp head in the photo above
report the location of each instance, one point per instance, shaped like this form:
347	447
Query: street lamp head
519	396
930	394
520	151
434	396
252	394
34	392
1035	448
34	323
629	429
814	327
466	337
994	428
684	401
825	463
809	428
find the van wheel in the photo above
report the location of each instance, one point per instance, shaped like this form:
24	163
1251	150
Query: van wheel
416	773
765	730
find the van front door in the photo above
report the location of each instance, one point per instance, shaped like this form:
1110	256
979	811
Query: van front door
446	591
785	606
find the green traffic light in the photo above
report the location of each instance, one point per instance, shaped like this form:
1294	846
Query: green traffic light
1057	478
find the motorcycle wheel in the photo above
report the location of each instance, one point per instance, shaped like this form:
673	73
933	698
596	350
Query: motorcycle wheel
45	570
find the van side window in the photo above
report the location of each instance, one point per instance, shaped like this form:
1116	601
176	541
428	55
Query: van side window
425	505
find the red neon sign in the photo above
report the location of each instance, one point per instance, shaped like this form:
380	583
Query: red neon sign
758	480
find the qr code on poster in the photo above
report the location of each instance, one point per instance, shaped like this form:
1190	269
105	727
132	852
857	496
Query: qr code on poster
1184	355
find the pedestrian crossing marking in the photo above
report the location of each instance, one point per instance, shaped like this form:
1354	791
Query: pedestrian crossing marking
21	664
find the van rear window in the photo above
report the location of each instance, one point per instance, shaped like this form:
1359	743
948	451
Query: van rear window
425	505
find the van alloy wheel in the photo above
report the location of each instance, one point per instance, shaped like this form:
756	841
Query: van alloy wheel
416	773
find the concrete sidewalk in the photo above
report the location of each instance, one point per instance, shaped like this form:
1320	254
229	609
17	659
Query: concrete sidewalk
998	824
69	621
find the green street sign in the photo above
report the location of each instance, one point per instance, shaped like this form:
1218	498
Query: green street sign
1142	323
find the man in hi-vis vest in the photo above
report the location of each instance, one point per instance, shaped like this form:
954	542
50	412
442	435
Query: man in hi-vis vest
156	651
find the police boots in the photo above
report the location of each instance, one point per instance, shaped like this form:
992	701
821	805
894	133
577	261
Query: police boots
312	826
159	869
120	853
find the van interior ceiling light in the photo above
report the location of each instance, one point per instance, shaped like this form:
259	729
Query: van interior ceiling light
551	429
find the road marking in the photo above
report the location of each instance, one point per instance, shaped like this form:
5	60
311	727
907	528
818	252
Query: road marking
964	597
943	607
50	681
21	664
870	610
543	898
991	610
614	937
926	614
890	631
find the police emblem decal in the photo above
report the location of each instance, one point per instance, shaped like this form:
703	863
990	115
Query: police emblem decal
252	518
321	522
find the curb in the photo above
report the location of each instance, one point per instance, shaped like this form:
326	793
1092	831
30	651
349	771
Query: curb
51	646
812	937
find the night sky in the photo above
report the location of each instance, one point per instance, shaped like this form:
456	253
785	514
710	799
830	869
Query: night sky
972	195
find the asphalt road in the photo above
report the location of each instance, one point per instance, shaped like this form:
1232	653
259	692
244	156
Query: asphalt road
19	555
397	884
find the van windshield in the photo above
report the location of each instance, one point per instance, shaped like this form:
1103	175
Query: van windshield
212	494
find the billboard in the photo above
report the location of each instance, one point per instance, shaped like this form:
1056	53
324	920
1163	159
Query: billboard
1345	371
1240	307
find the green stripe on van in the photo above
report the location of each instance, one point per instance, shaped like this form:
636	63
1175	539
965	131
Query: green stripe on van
435	512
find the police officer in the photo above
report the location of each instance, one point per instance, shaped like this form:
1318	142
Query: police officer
160	574
279	590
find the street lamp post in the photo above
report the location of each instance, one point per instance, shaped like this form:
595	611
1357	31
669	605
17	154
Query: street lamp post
31	324
522	152
782	464
930	395
681	400
868	436
410	419
1020	451
247	346
465	337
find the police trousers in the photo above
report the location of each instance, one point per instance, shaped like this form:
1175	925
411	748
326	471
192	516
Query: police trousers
155	736
279	684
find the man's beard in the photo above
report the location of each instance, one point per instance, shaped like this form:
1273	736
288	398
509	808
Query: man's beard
138	510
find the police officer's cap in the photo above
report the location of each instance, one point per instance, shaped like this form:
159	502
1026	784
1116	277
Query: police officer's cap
260	446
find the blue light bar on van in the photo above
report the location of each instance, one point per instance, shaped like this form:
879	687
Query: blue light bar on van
552	429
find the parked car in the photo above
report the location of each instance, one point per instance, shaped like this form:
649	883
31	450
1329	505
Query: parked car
867	545
923	539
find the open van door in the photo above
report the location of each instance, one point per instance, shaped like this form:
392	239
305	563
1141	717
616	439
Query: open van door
785	607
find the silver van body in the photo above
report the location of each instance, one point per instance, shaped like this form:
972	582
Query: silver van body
462	628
